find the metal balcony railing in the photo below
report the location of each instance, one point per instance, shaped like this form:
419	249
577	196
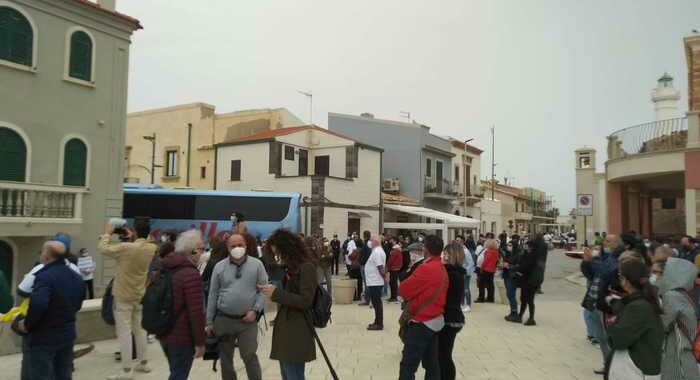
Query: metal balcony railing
28	200
442	187
657	136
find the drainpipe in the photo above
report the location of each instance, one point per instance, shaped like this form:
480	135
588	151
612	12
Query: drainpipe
381	197
216	159
189	150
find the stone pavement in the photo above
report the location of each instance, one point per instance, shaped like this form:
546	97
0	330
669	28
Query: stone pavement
487	348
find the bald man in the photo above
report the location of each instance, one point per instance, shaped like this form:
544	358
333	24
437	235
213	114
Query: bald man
56	298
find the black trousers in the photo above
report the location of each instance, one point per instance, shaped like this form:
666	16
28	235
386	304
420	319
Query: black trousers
527	299
335	263
420	345
355	273
446	342
486	285
393	284
89	290
375	296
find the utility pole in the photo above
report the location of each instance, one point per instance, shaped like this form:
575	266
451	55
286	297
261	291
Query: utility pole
152	139
310	96
493	163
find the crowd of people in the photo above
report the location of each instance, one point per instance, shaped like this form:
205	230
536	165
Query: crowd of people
641	306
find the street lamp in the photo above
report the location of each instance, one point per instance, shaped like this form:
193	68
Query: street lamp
152	139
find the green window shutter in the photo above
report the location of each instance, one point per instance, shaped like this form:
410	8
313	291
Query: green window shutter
80	65
16	37
74	163
13	156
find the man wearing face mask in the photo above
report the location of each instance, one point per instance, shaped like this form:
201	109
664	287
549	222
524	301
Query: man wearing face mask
600	269
234	306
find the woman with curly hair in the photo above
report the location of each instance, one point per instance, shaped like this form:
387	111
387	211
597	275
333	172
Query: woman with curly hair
292	340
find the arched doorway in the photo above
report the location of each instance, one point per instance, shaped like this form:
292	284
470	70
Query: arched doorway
6	261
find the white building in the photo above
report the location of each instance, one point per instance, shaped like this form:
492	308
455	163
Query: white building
338	177
466	169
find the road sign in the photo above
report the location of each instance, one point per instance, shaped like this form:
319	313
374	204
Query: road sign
584	204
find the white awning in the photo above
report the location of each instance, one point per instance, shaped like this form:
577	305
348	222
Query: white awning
452	221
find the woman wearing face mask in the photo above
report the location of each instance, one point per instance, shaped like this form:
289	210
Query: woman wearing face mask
637	334
674	278
238	225
452	258
292	340
511	258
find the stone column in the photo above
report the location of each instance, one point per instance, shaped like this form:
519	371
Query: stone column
693	129
614	198
692	192
633	209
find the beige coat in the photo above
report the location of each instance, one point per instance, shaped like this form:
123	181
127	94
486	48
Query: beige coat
132	267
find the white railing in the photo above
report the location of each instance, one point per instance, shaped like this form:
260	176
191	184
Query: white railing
31	200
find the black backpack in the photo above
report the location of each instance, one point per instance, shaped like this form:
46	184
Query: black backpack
158	316
321	307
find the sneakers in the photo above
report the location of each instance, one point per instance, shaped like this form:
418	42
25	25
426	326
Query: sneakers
599	371
374	327
467	309
124	375
513	317
142	367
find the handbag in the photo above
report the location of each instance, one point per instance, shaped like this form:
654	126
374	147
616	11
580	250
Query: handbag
406	316
623	368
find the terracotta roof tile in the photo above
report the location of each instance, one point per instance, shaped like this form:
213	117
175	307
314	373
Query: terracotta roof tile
134	22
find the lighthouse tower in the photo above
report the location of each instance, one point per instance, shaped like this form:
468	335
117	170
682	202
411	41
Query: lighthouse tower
665	98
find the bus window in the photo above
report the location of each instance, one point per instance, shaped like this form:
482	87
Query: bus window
159	206
215	207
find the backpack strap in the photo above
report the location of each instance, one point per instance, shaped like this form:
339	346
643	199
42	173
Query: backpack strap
428	300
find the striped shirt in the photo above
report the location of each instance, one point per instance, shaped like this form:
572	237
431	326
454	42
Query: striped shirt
86	266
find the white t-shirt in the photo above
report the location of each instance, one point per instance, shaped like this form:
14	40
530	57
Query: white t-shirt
376	259
350	247
27	284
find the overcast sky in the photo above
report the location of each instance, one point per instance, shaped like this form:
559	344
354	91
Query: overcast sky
551	75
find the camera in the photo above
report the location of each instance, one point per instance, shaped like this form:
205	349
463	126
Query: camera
120	228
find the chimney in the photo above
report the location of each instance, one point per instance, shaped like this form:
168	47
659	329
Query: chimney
107	4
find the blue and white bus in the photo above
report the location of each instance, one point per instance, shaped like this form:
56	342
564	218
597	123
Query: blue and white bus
210	211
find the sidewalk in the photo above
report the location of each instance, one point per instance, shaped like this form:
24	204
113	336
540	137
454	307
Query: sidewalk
487	348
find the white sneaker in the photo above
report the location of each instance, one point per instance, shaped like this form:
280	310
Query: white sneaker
122	376
467	309
142	368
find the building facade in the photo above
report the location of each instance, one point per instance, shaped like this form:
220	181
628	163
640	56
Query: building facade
507	207
466	169
177	143
338	177
63	69
420	160
651	182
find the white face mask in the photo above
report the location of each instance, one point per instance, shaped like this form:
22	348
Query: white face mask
416	257
237	253
163	238
420	238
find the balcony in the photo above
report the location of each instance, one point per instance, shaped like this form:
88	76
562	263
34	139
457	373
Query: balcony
522	216
22	202
654	137
443	188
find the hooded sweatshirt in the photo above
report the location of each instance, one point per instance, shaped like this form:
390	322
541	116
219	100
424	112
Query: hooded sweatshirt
678	362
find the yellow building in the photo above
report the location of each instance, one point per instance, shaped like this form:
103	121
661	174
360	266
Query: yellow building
174	146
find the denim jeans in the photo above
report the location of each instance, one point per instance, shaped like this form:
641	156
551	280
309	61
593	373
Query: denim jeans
467	291
51	361
420	345
292	370
365	295
587	319
598	329
375	295
511	290
179	360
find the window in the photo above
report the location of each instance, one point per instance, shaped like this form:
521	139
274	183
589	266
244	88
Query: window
428	168
171	163
584	161
203	172
74	163
668	203
16	37
303	162
13	156
322	166
80	56
289	153
456	173
236	170
438	170
205	207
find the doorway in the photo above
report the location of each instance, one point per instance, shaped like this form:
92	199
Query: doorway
6	261
353	225
322	165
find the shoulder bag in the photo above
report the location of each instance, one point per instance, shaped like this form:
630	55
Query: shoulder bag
406	316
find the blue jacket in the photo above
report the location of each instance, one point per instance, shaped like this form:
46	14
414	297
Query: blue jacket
57	296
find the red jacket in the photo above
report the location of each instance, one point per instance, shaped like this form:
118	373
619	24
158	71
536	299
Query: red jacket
188	300
395	260
490	260
421	285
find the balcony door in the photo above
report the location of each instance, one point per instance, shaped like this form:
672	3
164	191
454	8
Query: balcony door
438	176
322	166
303	162
6	258
13	156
